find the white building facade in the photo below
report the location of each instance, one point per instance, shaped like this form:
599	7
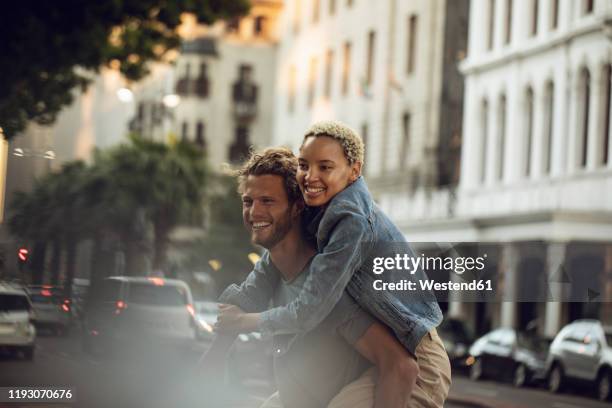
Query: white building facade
383	68
389	70
224	77
536	166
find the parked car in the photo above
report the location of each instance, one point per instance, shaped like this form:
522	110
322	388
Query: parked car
582	352
125	312
457	339
17	333
507	354
52	310
205	316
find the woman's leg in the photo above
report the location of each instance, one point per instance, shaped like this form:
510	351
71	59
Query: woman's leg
398	370
434	378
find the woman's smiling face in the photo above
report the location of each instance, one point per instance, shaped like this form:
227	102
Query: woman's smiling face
324	170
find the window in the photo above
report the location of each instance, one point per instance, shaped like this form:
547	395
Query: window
244	90
534	17
585	96
491	24
312	80
607	83
370	62
549	125
329	63
200	140
588	6
528	130
239	150
412	33
346	67
201	82
184	129
554	14
406	127
484	132
233	25
315	10
141	110
508	36
292	80
501	137
183	84
259	27
14	303
149	294
332	7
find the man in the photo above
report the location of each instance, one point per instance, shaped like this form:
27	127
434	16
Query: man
319	364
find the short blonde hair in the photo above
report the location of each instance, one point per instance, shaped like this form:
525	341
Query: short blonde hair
351	142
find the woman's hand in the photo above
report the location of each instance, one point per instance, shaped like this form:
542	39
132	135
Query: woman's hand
232	319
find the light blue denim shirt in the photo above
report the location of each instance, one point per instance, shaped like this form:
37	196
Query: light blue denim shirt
351	231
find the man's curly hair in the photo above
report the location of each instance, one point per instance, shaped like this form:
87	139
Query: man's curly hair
279	161
351	142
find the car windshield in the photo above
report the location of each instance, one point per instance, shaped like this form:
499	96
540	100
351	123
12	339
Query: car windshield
532	342
46	299
608	335
147	294
108	292
14	303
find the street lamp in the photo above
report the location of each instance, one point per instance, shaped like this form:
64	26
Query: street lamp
125	95
171	100
25	152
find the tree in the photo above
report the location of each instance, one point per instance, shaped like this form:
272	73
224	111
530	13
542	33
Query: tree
28	223
53	212
118	191
51	48
226	240
177	178
146	183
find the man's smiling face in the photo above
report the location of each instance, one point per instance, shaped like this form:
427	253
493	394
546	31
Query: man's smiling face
266	211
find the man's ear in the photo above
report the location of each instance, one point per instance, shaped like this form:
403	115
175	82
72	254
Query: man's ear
355	171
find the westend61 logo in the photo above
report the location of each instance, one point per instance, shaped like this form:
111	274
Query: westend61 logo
412	264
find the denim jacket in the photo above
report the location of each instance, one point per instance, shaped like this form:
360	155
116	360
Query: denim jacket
351	231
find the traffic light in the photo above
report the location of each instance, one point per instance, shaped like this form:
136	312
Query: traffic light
22	255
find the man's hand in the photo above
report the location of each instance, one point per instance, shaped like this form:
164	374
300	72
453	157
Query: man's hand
233	320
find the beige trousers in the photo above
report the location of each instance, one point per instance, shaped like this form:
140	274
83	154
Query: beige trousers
431	389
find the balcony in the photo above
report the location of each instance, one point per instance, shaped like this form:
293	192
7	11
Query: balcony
244	97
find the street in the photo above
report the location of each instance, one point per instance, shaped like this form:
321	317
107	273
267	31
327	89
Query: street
164	381
161	381
489	393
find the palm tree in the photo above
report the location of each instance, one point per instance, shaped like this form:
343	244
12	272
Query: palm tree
178	175
118	190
